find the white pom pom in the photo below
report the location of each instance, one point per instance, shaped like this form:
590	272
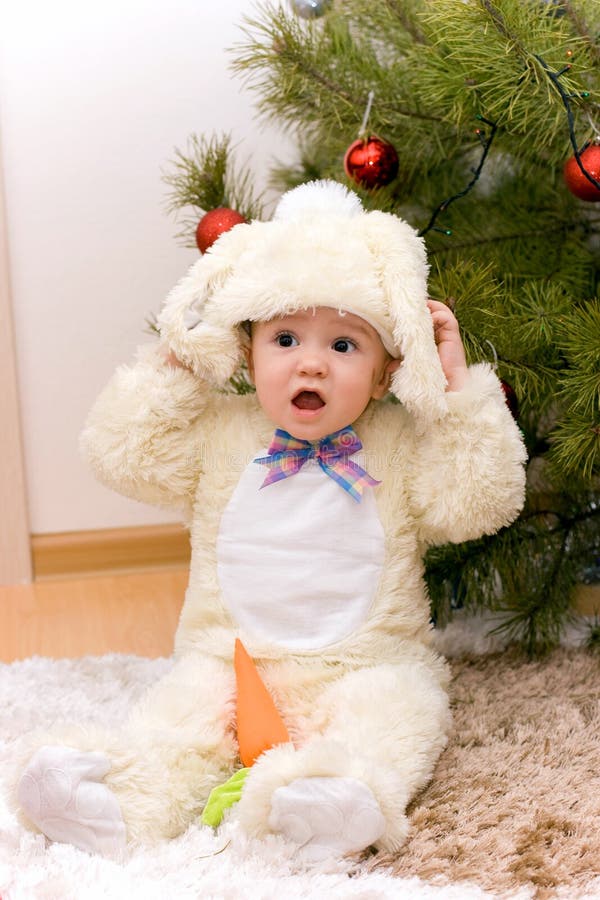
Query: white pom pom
327	197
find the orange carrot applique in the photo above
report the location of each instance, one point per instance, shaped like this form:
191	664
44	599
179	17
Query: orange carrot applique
259	727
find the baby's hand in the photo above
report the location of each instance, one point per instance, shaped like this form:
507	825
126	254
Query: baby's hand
170	359
449	344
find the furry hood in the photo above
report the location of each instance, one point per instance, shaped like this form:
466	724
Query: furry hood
320	249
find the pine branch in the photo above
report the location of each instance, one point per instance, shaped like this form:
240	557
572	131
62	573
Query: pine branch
576	446
443	206
398	9
523	256
500	24
581	27
280	52
205	177
513	237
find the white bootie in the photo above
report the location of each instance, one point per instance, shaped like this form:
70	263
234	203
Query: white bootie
327	817
62	793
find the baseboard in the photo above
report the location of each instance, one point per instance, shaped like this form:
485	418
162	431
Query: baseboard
109	550
112	550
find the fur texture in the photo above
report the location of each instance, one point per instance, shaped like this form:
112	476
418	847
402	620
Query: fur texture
513	807
371	706
461	478
321	249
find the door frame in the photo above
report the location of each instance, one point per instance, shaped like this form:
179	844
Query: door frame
15	544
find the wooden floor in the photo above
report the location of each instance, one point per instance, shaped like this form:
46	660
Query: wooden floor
133	612
121	613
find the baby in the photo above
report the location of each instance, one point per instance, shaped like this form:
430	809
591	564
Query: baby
310	504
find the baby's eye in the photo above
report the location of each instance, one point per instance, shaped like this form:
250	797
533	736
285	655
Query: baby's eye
285	339
344	345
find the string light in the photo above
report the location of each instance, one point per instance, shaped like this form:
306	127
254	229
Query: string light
486	142
554	78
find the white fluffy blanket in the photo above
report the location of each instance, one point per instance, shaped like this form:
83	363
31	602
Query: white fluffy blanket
454	844
200	863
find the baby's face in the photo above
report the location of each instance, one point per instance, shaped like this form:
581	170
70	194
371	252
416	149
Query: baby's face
316	370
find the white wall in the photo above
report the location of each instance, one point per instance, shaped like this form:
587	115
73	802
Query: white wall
93	100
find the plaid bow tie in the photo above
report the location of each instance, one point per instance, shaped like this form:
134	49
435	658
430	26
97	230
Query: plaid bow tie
288	454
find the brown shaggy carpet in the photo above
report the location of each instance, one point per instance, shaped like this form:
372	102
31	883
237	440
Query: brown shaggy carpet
515	801
514	806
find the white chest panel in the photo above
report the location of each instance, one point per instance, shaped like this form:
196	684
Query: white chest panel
299	561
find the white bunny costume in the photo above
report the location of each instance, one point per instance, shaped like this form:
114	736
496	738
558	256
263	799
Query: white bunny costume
327	594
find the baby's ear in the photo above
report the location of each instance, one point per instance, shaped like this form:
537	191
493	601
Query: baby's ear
383	385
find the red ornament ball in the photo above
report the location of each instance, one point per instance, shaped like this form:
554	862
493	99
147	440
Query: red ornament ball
576	181
214	224
371	162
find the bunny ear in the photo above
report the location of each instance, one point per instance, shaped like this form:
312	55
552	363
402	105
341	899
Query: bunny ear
401	261
201	317
212	350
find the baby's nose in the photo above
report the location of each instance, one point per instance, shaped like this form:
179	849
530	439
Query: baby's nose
312	363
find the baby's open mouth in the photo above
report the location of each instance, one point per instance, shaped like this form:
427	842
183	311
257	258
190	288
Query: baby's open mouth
308	400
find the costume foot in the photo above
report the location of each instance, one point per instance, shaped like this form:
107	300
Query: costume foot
327	816
63	795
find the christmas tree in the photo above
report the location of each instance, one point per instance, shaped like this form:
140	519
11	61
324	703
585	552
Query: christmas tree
483	103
